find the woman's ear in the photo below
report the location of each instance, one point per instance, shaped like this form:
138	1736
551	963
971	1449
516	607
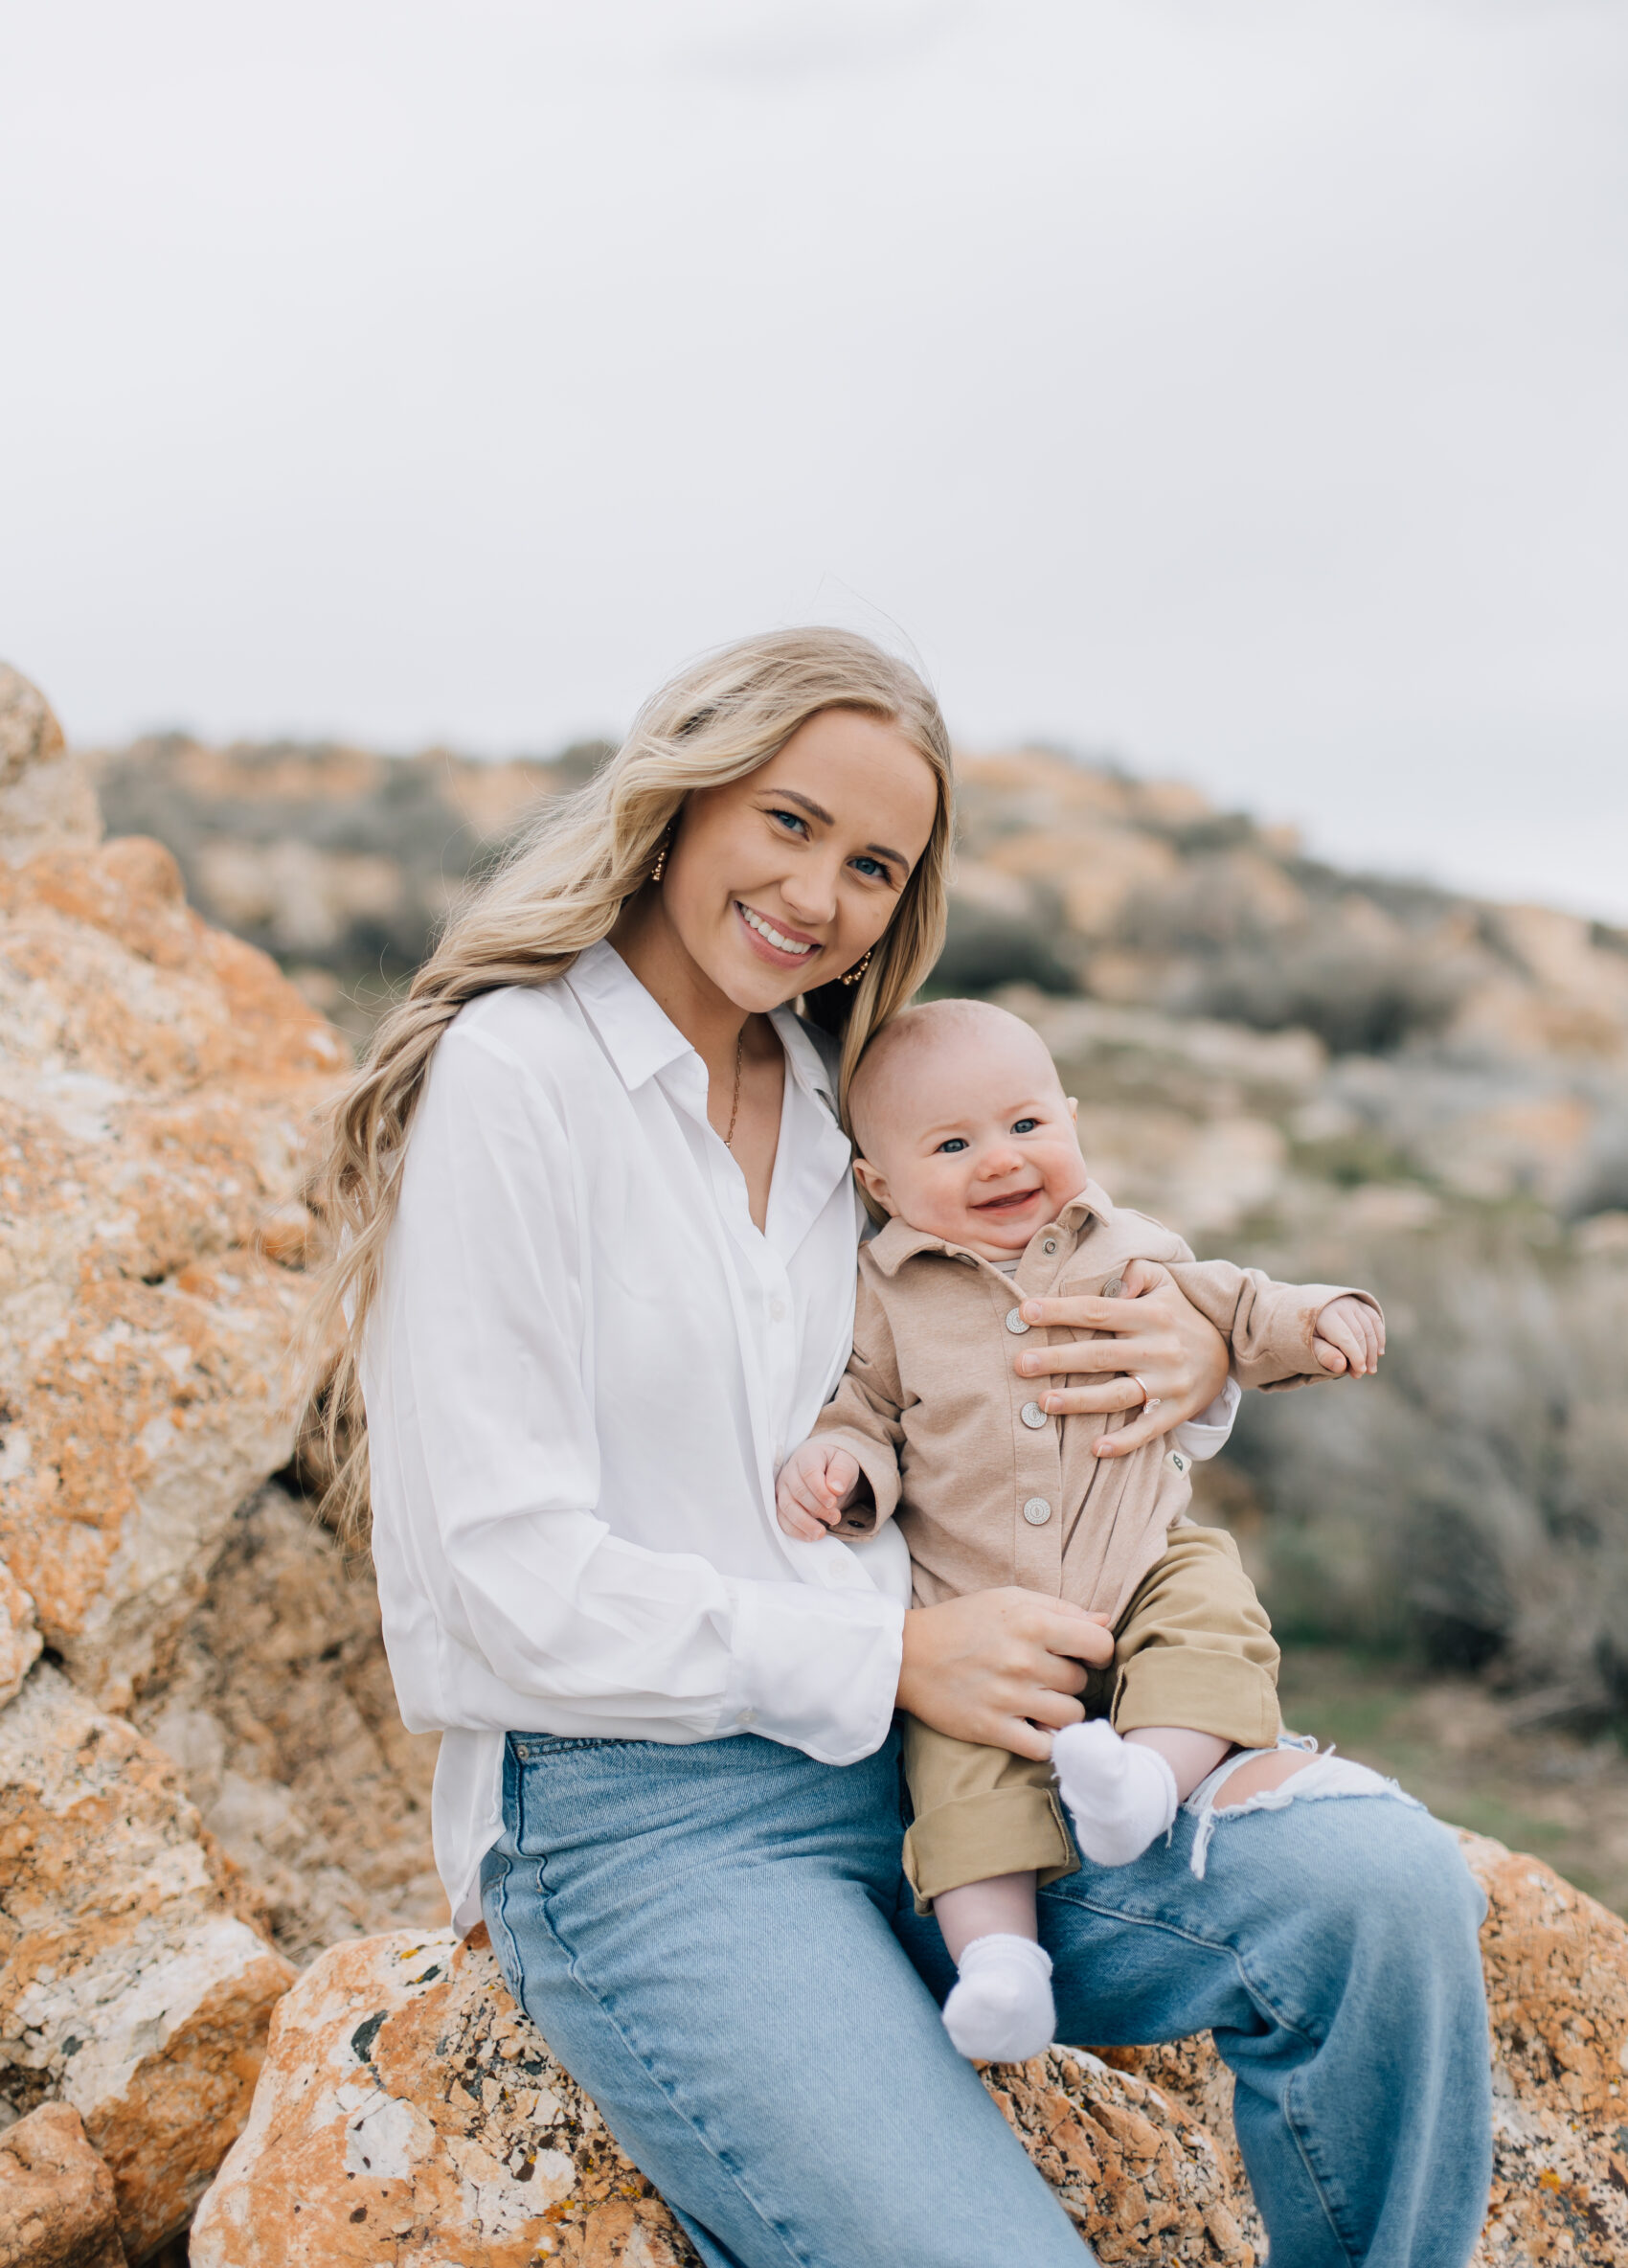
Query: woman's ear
874	1185
1074	1110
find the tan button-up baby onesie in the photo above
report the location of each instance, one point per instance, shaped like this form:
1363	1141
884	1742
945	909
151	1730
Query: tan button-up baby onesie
989	1491
986	1488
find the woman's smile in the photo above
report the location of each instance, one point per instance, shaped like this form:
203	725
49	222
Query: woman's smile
786	948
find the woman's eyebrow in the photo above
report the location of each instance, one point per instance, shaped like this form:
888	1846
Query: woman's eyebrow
791	795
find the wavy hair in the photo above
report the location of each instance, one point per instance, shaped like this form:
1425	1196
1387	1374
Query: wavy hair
559	890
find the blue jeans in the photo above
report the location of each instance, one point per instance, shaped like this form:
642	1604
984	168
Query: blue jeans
717	1943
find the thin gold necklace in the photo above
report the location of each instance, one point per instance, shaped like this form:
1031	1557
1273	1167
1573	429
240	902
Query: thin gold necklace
735	1107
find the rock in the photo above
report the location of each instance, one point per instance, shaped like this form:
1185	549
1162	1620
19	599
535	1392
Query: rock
133	1987
20	1641
278	1708
46	797
408	2109
157	1084
55	2195
1558	1996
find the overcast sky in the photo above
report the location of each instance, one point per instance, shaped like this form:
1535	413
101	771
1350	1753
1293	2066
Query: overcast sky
1238	386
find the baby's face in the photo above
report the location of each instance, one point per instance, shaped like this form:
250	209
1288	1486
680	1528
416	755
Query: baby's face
969	1136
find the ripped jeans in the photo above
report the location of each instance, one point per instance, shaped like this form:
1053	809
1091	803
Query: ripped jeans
710	1937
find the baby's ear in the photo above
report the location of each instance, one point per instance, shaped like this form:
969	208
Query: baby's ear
874	1185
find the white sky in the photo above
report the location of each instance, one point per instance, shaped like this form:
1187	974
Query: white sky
1237	385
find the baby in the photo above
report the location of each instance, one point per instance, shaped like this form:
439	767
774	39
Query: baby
968	1146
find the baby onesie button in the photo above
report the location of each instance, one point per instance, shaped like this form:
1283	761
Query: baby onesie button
1049	1245
1014	1320
1037	1512
1111	1291
1033	1416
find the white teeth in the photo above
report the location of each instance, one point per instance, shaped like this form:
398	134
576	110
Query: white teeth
781	945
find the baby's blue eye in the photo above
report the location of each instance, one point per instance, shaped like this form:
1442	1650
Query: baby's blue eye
1025	1125
955	1142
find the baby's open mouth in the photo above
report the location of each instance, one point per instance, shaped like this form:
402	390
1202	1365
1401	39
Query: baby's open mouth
1009	1203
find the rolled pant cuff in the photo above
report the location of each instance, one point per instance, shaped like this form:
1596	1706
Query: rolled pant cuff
1205	1692
1006	1831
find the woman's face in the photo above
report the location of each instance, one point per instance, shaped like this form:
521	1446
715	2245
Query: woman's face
780	881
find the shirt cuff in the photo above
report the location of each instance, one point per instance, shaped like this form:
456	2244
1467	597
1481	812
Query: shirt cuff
815	1670
1205	1434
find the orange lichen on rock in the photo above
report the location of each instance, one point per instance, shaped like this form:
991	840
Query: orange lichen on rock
134	1983
57	2205
409	2109
158	1081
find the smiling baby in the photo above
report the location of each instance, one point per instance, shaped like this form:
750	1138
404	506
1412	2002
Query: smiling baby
967	1146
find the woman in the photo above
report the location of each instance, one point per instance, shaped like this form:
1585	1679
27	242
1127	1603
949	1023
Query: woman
598	1275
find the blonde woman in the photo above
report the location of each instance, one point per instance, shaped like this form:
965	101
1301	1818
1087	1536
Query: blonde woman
598	1273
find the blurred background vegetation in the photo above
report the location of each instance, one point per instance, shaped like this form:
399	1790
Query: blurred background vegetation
1337	1075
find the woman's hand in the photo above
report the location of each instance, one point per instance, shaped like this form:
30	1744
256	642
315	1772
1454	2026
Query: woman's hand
1160	1341
1001	1668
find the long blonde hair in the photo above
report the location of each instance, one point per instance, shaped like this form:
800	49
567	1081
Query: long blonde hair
560	891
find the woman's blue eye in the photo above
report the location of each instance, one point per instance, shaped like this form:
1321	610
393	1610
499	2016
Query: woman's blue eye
871	866
1025	1125
791	819
955	1142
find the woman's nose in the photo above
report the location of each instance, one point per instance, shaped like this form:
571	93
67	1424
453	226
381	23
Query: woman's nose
810	891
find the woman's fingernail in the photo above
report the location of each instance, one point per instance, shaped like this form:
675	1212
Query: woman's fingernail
1030	1311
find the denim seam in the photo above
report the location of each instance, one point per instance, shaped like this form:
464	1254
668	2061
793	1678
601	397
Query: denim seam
517	1967
1303	2144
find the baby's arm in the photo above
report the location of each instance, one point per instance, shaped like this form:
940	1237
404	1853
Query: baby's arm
1283	1335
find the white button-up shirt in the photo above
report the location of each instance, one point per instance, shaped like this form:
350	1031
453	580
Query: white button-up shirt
583	1368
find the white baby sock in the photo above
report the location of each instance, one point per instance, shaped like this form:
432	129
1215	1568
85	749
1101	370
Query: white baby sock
1119	1794
1001	2010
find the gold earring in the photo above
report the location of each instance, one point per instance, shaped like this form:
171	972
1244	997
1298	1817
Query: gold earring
853	975
661	866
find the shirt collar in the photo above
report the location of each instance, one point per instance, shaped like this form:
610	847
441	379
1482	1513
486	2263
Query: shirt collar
637	1036
897	1242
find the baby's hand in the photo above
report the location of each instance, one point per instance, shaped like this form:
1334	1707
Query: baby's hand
1350	1336
816	1483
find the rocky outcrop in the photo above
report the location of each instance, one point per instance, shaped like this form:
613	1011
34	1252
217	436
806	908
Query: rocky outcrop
57	2205
46	798
407	2109
134	1983
156	1084
277	1705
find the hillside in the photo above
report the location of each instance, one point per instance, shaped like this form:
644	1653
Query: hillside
1333	1073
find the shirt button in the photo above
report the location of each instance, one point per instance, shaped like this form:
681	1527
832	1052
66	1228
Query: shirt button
1033	1416
1037	1512
747	1716
1014	1321
778	1310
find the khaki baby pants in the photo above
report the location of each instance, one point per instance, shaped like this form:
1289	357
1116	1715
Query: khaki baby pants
1194	1647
